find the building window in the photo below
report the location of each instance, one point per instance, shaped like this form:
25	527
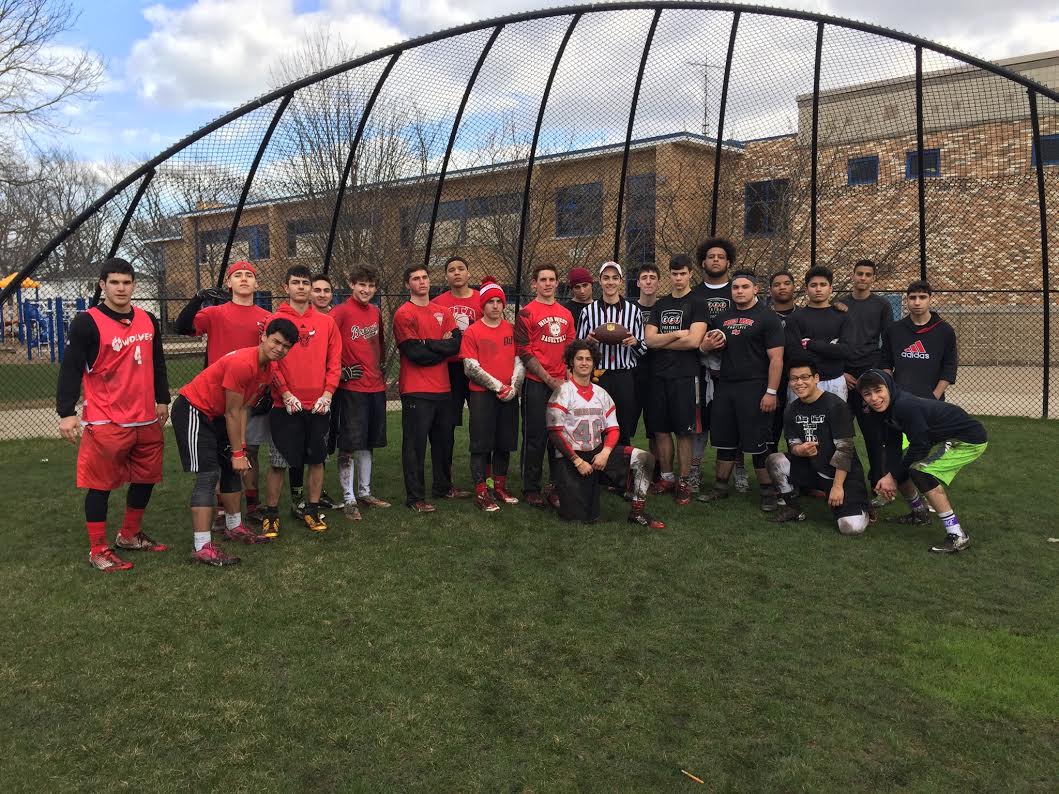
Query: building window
931	163
1049	150
640	221
863	170
493	220
305	238
250	243
579	210
414	222
765	207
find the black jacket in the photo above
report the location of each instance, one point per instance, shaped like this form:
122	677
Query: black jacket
920	355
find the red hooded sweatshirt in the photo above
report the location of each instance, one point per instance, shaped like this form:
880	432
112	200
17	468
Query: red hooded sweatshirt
313	365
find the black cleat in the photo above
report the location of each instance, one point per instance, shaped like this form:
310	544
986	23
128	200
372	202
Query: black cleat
952	544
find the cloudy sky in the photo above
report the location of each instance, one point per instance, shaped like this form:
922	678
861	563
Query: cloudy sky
175	64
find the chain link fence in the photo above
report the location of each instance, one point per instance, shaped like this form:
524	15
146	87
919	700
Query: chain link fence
572	136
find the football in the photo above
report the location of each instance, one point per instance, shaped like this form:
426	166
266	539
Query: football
610	333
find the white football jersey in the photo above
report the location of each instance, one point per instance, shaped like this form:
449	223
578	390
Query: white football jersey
583	415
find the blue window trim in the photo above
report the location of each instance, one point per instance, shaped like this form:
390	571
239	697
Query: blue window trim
853	162
1049	142
932	170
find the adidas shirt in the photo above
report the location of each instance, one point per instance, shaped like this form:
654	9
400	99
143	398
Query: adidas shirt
920	355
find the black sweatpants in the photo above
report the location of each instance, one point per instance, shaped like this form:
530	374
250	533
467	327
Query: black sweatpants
620	384
535	444
424	418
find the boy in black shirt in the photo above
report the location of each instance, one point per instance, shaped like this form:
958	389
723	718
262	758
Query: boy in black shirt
942	439
822	454
674	331
920	350
781	293
820	329
750	340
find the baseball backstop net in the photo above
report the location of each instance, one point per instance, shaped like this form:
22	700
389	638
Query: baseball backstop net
627	131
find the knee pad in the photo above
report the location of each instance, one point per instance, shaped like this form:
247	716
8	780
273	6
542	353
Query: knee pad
777	464
728	455
853	525
759	459
923	481
203	493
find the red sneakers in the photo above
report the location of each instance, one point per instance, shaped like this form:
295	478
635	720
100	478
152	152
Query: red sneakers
138	542
662	486
483	500
107	561
244	534
500	491
211	554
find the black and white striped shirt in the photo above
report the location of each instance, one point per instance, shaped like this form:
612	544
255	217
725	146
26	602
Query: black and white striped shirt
627	314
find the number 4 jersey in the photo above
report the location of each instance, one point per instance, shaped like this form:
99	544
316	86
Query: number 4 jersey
119	385
581	415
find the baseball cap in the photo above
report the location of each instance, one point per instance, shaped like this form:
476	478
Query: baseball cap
614	265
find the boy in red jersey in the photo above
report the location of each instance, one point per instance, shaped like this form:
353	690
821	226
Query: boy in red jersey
426	336
495	373
583	424
115	351
232	323
462	301
305	381
209	420
542	330
361	391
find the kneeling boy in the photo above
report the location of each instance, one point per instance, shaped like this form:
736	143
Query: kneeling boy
583	428
822	456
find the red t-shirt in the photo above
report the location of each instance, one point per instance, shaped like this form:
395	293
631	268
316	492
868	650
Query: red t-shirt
432	321
119	387
237	371
543	330
229	327
494	348
465	311
360	327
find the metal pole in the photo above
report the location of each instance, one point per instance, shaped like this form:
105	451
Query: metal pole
922	185
532	158
352	155
452	141
720	125
628	131
816	134
246	186
1038	162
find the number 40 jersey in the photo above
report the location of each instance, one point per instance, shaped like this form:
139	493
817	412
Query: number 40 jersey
582	414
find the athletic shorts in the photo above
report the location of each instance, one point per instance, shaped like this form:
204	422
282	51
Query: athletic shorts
459	389
673	406
111	455
579	496
736	420
856	500
203	444
493	423
257	430
362	422
947	458
301	438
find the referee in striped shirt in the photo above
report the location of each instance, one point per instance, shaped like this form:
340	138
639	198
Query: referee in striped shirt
617	373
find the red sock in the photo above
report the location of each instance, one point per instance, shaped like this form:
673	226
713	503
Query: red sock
251	496
97	535
500	482
481	488
133	521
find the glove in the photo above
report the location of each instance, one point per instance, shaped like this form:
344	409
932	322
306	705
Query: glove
353	372
505	393
292	404
323	404
214	297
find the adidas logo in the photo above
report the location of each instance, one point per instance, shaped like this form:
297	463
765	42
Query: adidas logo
915	350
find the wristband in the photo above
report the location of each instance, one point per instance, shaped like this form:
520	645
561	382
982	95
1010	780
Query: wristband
770	391
239	453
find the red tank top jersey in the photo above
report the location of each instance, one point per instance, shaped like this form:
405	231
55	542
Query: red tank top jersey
360	326
230	327
422	322
494	348
313	363
239	372
465	311
543	330
119	387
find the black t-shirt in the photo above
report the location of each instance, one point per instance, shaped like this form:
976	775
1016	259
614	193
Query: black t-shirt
822	421
575	310
866	323
826	330
676	314
718	300
749	335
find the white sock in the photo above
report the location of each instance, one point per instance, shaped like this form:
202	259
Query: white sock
363	460
951	524
345	476
232	520
669	476
201	539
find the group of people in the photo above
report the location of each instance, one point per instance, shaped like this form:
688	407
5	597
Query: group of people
714	364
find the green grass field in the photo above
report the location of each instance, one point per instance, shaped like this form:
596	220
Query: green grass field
511	652
34	382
